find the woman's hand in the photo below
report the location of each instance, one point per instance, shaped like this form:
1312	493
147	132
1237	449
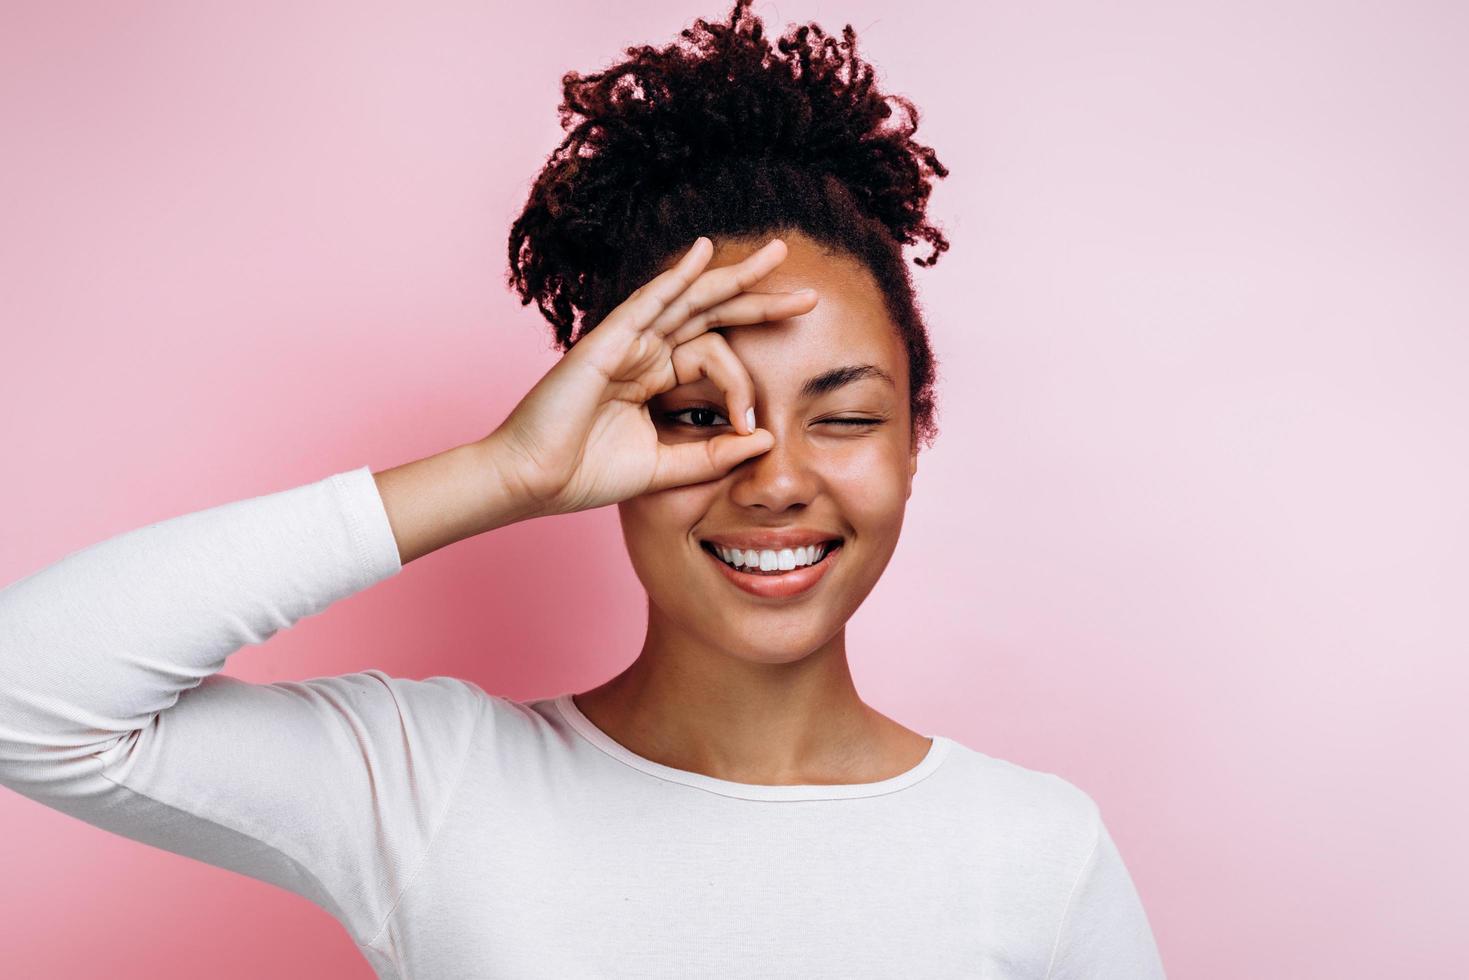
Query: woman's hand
583	437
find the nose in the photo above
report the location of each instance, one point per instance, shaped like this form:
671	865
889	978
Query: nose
777	479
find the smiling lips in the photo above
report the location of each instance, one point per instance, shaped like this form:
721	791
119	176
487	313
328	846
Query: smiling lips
785	584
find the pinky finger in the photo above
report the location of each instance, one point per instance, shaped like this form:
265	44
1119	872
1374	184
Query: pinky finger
653	297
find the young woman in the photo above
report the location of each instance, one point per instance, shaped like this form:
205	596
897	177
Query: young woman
754	404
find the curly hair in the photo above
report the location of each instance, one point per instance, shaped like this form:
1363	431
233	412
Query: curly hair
720	135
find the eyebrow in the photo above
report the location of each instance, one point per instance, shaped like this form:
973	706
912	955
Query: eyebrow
829	381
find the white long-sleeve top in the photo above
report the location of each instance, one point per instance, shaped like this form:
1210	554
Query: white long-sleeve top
459	834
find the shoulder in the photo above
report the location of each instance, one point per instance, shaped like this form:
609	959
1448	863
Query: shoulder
456	703
448	698
1036	812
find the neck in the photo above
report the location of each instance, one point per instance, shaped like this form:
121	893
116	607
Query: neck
696	707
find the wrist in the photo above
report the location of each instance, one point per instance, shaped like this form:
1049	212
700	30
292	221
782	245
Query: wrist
504	498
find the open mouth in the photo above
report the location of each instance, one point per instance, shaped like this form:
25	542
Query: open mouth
768	563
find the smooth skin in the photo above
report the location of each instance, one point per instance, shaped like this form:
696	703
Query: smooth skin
726	684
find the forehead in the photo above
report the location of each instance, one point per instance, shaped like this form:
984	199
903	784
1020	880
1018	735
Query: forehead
849	325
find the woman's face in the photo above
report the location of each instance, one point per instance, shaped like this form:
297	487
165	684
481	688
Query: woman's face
833	478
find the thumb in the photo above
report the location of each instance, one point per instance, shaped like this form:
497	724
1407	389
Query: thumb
699	462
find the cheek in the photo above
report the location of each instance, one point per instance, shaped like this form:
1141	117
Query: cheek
871	486
653	523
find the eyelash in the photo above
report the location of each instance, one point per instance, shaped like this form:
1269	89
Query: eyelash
673	417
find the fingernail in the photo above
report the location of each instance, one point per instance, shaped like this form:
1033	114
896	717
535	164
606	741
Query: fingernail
750	418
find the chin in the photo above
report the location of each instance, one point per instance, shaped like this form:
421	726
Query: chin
783	636
789	650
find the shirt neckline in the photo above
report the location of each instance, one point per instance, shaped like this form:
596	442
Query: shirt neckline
583	725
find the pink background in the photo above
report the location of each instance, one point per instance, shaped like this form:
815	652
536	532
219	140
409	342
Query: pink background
1192	537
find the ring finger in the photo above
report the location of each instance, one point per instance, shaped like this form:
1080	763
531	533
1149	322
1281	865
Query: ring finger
746	308
716	285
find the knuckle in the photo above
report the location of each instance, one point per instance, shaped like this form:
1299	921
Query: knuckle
685	308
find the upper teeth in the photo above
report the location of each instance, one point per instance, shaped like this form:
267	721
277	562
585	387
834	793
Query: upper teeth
769	561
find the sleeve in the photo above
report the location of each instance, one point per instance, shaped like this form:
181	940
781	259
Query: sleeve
1104	933
112	710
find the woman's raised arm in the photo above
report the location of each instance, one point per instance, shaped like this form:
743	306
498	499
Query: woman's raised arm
112	707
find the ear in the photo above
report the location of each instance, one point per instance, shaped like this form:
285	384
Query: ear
912	471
